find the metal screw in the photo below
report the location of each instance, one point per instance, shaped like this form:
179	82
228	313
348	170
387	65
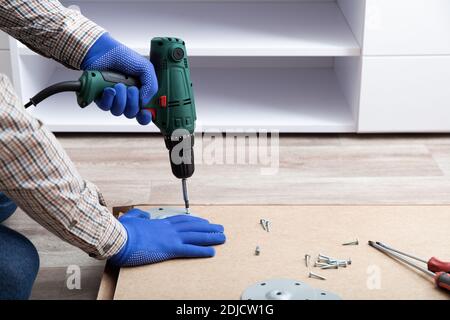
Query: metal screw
323	261
330	266
320	264
257	251
307	259
321	256
338	262
341	263
314	275
352	243
263	224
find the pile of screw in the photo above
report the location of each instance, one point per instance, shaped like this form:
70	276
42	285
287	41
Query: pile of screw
325	262
265	224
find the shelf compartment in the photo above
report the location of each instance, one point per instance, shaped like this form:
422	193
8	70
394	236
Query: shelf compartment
283	99
229	96
219	28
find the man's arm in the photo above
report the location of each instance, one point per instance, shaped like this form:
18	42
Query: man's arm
50	29
35	171
65	35
37	174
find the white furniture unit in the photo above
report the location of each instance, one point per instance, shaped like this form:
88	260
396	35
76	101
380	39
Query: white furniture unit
406	67
407	27
293	66
414	95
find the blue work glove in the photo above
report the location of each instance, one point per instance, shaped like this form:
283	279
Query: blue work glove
151	241
107	54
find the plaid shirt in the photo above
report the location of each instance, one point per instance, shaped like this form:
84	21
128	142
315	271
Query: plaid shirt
35	172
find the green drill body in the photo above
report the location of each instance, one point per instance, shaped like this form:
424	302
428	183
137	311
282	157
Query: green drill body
174	103
173	106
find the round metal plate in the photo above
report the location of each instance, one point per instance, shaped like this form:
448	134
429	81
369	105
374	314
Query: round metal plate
165	212
286	289
325	295
279	289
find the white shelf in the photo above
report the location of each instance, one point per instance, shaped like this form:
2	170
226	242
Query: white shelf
291	66
228	28
284	99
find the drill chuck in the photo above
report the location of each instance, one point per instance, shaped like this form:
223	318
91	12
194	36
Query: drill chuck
181	154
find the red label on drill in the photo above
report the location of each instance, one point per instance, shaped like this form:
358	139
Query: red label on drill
163	101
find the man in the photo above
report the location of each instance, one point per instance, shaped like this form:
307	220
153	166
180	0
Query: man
38	176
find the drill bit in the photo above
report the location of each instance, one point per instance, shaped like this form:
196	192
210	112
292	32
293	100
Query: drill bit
185	195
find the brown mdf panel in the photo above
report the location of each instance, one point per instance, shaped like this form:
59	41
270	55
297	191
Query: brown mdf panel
295	231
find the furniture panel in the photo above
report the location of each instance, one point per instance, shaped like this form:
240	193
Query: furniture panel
405	94
407	27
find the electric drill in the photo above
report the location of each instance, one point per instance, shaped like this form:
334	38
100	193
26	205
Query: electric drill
172	108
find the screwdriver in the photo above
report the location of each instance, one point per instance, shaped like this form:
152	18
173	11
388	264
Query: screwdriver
442	279
185	195
434	264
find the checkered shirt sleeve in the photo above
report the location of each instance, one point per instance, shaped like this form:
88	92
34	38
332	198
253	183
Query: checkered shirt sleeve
35	172
50	29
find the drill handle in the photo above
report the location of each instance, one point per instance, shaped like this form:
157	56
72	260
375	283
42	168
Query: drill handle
94	82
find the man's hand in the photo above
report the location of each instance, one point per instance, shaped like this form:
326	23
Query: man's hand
151	241
107	54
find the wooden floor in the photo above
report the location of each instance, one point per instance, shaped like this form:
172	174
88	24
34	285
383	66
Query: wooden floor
313	169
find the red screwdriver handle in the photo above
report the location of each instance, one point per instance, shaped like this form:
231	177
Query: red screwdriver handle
443	280
436	265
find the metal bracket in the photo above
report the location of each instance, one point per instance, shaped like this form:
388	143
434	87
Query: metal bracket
165	212
285	289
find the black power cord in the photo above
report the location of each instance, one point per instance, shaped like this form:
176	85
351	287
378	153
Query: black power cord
54	89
